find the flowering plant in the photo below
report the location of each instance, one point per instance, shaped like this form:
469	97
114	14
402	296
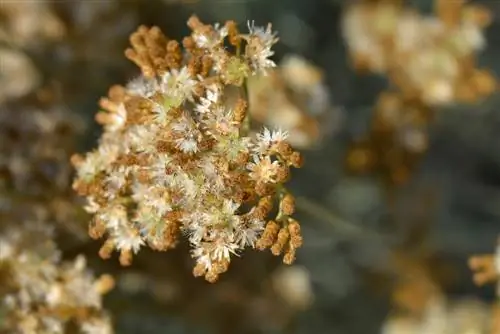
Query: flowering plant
177	155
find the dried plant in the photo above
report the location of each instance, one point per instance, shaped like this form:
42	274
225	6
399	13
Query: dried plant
430	62
42	294
39	292
176	155
429	57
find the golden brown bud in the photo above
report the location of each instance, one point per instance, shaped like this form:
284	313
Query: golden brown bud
288	205
107	249
281	241
289	257
104	284
296	159
269	235
125	257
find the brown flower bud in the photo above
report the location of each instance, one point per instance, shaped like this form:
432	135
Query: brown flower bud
107	249
233	33
211	276
125	257
282	174
199	270
289	257
264	189
288	205
296	159
96	229
269	235
240	110
284	149
295	233
76	160
282	239
104	284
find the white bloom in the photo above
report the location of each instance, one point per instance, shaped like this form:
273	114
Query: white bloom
158	168
142	86
260	40
114	216
92	206
222	250
116	180
213	94
247	236
187	145
202	257
127	239
267	138
142	138
210	39
117	118
178	83
160	114
156	199
91	166
262	169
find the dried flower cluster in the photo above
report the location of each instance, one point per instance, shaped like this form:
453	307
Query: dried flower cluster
430	57
176	156
26	23
430	62
42	294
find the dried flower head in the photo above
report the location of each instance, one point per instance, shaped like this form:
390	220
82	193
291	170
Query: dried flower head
176	156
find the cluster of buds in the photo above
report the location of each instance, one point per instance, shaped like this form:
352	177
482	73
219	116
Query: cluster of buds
430	62
397	139
42	294
176	156
431	58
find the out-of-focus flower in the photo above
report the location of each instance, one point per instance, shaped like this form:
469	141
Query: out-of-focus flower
293	97
428	56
